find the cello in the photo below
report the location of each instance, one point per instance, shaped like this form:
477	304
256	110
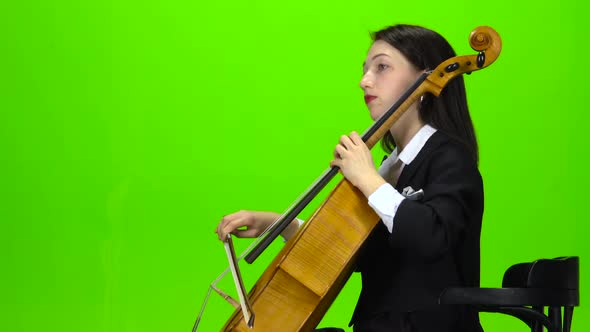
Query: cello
302	281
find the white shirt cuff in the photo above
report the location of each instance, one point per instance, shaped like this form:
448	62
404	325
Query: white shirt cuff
385	201
299	223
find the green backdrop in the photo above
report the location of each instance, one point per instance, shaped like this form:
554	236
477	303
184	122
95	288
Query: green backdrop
129	128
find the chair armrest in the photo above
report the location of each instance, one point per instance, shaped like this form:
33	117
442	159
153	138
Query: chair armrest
509	296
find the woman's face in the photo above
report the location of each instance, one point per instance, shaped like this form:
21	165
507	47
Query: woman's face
387	74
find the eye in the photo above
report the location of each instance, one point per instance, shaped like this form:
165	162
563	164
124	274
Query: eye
382	67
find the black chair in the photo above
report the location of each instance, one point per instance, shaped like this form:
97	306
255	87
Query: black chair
527	289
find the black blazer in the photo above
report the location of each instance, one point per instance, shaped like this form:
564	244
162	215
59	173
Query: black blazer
435	241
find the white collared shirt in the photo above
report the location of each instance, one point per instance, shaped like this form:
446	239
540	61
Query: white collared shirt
386	199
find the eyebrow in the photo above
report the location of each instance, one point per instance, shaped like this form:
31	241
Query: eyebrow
374	57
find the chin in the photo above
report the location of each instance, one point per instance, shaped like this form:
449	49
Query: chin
375	113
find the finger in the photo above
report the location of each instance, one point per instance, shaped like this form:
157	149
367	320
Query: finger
223	233
227	218
220	234
220	226
335	162
340	152
336	154
246	232
238	222
356	138
225	223
228	228
346	142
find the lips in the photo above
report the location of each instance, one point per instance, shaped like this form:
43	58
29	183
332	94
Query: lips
369	98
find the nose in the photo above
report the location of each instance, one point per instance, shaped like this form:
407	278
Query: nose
366	81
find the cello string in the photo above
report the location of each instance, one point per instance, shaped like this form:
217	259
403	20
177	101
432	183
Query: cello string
300	198
281	217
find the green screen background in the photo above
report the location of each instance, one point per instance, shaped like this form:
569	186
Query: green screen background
129	128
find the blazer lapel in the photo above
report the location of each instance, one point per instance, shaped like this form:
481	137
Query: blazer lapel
408	172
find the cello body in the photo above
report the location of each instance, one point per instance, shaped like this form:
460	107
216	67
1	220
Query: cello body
300	284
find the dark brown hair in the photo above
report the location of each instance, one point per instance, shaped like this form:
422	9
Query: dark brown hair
449	113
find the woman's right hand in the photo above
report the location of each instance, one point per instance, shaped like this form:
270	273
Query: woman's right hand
245	223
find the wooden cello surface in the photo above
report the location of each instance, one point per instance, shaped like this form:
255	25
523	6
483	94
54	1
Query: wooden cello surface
302	281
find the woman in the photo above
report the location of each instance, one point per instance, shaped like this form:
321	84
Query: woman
428	193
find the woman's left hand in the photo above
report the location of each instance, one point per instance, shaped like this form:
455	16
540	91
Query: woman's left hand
355	161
